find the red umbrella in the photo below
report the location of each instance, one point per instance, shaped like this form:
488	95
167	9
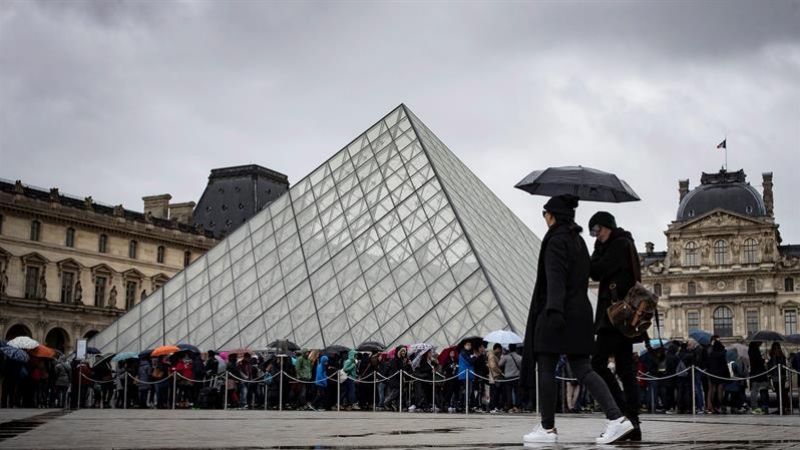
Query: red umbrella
165	350
42	351
446	353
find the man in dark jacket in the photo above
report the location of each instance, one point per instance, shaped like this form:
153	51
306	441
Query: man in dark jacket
615	264
560	323
759	383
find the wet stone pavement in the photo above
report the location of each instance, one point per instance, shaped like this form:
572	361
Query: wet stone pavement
150	429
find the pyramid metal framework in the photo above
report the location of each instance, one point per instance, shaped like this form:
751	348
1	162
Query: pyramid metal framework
393	239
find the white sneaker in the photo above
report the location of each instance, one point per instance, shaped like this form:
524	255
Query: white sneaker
412	408
615	429
451	410
541	436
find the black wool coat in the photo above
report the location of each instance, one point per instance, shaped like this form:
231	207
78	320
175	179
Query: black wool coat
613	263
562	283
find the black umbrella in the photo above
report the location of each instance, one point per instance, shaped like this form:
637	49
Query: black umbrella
284	345
104	359
793	338
189	348
767	336
93	351
145	354
371	346
475	340
335	350
583	182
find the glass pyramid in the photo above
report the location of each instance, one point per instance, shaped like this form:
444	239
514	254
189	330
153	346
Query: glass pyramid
393	239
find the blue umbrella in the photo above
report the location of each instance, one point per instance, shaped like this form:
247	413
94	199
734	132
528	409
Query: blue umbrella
15	354
189	348
125	355
3	342
702	337
145	354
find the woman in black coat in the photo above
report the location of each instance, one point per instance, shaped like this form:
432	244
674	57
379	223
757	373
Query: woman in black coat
560	322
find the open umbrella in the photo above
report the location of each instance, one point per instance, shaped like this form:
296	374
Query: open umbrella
23	342
188	348
93	351
793	338
15	354
104	359
583	182
240	351
284	346
124	356
146	354
3	342
740	349
165	350
446	353
42	351
421	350
503	337
767	336
335	350
414	349
702	337
475	340
371	346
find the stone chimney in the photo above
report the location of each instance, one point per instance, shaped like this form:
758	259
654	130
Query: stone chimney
769	200
683	189
649	248
157	205
182	212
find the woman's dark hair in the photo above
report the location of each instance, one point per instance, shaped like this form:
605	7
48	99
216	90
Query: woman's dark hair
776	350
718	347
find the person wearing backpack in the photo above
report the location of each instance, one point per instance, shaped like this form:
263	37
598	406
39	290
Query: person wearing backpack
615	264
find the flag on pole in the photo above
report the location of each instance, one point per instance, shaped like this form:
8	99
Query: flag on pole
723	144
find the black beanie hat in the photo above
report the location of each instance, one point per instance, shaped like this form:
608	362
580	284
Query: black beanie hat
604	219
562	205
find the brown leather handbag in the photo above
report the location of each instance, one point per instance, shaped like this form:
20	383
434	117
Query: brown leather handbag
633	315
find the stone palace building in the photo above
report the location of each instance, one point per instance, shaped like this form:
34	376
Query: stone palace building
725	270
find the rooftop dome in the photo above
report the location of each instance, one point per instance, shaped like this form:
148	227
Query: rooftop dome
725	190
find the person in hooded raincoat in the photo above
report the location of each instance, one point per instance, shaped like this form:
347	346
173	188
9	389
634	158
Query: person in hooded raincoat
321	382
560	322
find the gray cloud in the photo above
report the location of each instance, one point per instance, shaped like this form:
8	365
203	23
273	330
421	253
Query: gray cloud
124	99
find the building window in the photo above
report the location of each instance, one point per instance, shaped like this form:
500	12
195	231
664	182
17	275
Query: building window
67	286
693	318
187	258
130	293
1	224
690	255
100	284
788	284
160	254
751	286
752	322
102	244
70	241
721	253
750	251
35	229
657	289
723	322
692	288
132	249
790	320
32	282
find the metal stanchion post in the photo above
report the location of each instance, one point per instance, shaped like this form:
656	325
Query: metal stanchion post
80	379
466	393
433	392
266	394
225	393
400	409
536	388
652	397
374	391
280	390
338	392
174	388
780	390
694	395
125	395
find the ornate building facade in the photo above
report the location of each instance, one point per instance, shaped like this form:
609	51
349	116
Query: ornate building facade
725	270
71	266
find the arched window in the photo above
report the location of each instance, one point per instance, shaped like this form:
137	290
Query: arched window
690	258
132	247
160	254
102	243
721	253
723	322
751	286
750	251
70	240
36	227
692	288
657	289
187	258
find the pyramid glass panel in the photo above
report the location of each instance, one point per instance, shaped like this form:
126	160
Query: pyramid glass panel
392	239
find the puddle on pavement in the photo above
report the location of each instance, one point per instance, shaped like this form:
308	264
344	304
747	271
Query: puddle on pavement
398	432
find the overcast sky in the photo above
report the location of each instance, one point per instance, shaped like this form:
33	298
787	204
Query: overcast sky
119	100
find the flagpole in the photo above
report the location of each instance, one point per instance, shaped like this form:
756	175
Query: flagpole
726	153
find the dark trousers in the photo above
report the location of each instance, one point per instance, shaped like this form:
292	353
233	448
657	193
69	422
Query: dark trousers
319	400
684	394
511	394
582	369
621	348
